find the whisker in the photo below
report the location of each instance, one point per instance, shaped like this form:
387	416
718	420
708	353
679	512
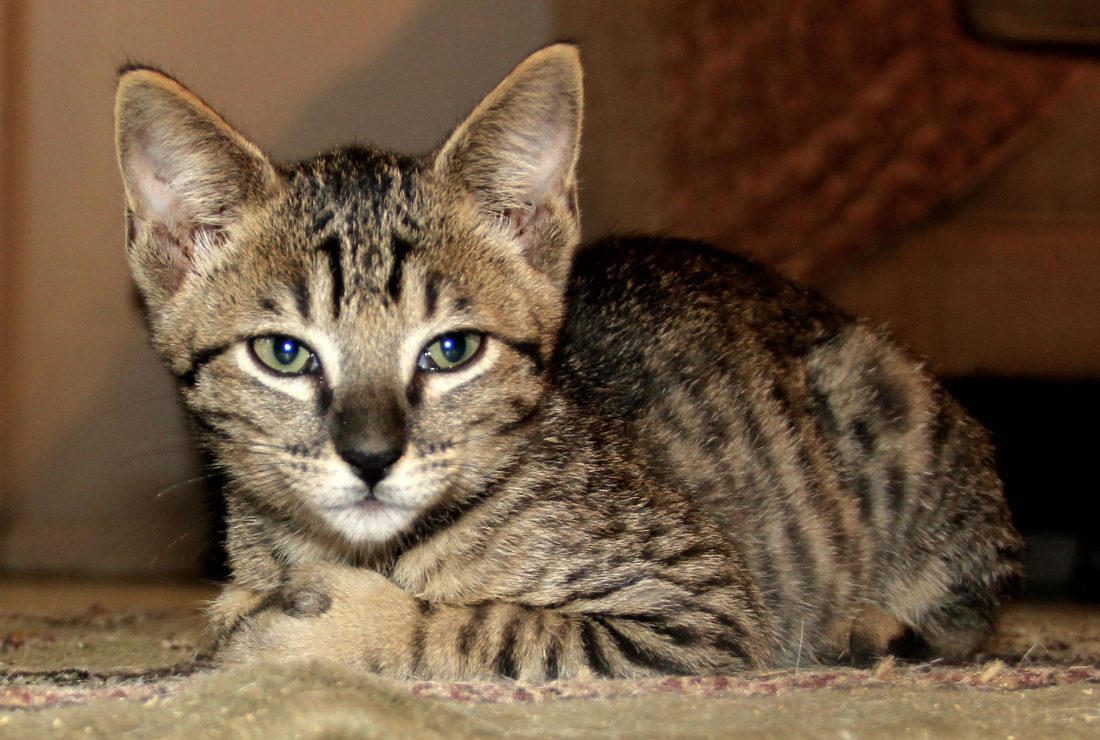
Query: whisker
186	482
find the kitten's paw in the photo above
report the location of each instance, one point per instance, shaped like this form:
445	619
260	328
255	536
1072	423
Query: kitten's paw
336	612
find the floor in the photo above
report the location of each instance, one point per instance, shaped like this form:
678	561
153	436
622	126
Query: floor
103	658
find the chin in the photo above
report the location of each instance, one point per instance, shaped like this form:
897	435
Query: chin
370	522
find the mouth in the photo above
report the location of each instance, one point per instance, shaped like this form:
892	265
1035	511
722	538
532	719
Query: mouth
369	504
366	503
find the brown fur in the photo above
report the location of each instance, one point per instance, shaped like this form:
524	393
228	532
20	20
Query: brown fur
661	459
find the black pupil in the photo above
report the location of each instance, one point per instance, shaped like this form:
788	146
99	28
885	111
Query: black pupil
285	350
453	347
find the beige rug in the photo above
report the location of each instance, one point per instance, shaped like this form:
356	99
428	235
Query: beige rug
121	662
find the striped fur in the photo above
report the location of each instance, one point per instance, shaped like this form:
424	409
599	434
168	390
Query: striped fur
662	459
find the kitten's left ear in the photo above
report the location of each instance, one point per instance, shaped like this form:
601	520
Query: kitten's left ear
517	155
189	176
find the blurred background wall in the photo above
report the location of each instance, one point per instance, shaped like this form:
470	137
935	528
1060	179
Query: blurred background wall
941	183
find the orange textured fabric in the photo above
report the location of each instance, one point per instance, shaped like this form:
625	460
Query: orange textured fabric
809	131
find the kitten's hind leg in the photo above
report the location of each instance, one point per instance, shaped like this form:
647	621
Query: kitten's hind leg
976	578
871	635
877	633
955	628
953	621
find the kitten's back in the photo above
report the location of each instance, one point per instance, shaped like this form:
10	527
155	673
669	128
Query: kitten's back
852	483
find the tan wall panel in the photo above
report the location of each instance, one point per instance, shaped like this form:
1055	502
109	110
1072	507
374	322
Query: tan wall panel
988	300
10	37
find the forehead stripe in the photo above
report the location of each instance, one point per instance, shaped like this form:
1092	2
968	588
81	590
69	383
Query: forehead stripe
331	249
431	296
400	249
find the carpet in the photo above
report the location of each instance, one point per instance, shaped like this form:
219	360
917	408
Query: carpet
108	669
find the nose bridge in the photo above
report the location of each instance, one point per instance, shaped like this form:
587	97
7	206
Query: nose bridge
369	402
370	420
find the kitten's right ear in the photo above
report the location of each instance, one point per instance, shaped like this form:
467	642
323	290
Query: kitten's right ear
187	173
516	156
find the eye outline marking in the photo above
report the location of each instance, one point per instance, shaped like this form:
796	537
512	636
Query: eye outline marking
310	368
466	362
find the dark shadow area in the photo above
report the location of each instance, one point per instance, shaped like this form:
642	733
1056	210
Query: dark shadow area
1046	435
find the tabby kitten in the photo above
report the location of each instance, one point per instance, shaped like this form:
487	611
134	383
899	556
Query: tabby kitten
458	446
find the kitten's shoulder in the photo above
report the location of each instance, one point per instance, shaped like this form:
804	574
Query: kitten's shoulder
639	255
671	280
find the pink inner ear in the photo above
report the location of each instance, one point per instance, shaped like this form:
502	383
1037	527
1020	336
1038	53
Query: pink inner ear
159	201
548	162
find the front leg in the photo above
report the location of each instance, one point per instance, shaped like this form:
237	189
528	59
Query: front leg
357	616
233	609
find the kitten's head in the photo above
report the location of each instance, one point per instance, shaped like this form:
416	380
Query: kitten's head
362	338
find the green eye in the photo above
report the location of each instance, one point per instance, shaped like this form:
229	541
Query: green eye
449	351
285	355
